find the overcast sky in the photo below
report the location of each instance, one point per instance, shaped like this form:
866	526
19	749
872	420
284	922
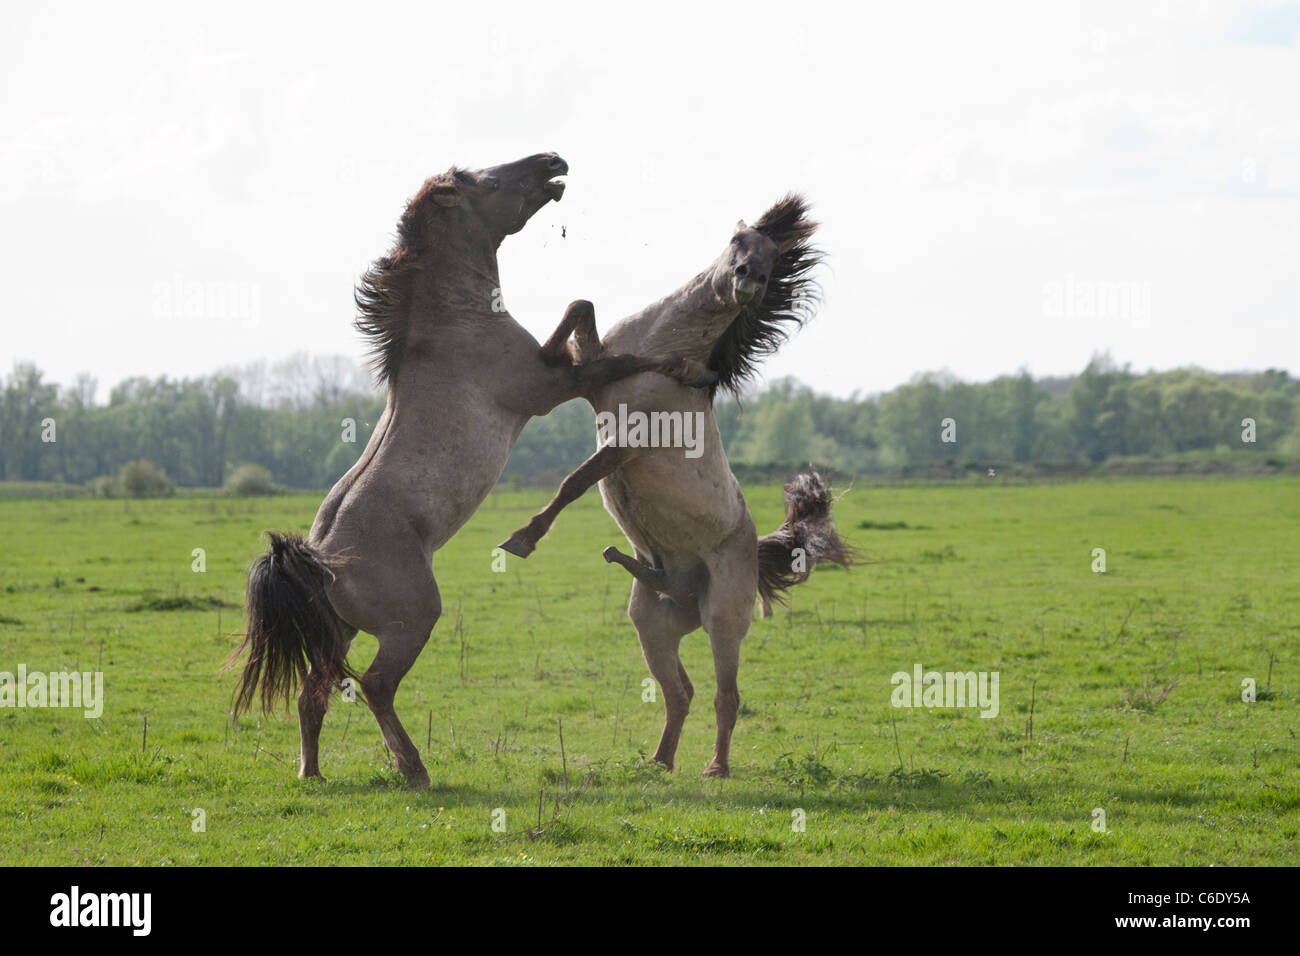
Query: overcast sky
1001	184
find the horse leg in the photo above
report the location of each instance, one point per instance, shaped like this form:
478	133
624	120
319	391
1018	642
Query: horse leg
726	664
603	463
580	314
313	701
399	645
686	681
311	714
597	370
606	369
586	340
397	652
557	380
660	626
726	610
657	579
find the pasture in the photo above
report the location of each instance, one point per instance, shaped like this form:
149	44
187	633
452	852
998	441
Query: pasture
1134	679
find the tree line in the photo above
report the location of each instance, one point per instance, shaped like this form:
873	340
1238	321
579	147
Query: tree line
306	421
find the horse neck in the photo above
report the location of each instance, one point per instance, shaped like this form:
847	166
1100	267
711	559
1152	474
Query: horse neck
689	321
463	275
457	291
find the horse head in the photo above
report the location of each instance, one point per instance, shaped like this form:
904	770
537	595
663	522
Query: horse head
756	253
498	201
763	278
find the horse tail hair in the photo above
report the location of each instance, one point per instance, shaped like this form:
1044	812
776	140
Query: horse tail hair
292	627
808	537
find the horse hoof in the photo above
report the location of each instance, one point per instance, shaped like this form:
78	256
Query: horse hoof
608	554
419	781
580	307
520	549
716	770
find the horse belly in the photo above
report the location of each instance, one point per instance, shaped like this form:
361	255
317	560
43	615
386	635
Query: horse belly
671	507
429	476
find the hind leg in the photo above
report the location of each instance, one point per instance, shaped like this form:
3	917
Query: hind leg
726	665
686	681
311	714
660	626
675	585
313	701
398	649
392	595
726	611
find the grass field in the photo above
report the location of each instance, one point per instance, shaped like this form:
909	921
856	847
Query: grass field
1135	678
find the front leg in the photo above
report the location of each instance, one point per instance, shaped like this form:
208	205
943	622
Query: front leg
611	368
600	465
577	369
579	317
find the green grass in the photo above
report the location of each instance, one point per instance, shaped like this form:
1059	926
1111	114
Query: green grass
1200	590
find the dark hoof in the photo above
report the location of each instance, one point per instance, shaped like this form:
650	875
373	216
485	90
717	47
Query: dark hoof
520	549
609	553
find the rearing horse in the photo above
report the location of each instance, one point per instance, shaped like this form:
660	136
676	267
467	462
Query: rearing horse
463	379
699	561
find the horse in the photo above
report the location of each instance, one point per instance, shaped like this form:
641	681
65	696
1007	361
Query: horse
698	558
463	378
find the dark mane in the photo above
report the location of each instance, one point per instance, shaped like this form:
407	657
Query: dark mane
383	293
792	296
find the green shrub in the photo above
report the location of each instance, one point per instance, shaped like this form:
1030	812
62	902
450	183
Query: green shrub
247	480
105	486
144	479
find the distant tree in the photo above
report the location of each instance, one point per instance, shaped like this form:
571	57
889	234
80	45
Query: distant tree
144	479
306	420
250	480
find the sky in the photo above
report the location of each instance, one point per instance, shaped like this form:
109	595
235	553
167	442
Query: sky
1000	185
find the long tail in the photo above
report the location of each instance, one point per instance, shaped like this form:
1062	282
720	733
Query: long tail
787	556
291	626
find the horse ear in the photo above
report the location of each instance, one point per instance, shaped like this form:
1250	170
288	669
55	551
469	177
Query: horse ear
445	195
740	225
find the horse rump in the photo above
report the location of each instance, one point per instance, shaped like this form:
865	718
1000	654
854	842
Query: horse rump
292	627
808	537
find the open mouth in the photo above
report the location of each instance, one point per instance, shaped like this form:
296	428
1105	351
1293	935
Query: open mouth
554	189
747	289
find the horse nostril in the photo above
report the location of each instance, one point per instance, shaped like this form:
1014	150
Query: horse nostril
742	270
555	162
